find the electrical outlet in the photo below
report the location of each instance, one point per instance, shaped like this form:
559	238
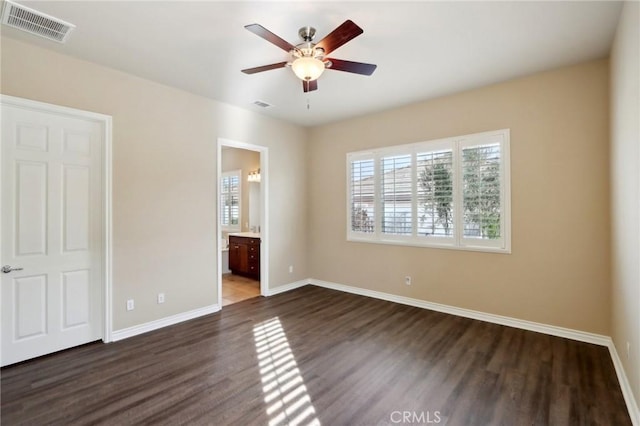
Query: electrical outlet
130	305
407	280
160	297
628	350
291	269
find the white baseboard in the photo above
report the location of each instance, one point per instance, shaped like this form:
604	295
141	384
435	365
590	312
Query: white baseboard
163	322
287	287
185	316
552	330
632	405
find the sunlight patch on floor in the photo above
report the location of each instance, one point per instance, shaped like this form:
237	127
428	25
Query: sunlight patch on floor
284	391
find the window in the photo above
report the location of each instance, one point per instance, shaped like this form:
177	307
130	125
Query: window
450	193
230	192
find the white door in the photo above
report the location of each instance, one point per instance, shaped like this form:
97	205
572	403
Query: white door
52	240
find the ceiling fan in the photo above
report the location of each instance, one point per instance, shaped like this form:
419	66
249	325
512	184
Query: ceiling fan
308	59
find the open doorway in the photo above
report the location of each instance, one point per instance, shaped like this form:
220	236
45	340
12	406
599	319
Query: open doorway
242	221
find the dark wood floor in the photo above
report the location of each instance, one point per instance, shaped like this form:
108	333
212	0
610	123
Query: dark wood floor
317	356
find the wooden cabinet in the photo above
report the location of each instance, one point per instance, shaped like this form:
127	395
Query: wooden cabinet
244	256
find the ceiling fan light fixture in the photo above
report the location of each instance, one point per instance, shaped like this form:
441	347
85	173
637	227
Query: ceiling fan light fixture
307	68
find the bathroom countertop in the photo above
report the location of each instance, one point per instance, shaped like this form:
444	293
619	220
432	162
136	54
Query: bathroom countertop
245	234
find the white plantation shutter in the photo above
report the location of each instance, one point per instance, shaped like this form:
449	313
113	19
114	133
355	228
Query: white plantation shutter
450	193
481	193
435	176
396	195
230	200
484	170
362	195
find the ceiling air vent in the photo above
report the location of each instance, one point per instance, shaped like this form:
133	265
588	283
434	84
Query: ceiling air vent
262	104
34	22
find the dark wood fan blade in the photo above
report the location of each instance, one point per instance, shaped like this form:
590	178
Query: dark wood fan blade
261	31
345	32
309	86
354	67
264	68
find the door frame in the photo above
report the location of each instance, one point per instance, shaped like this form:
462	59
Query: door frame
106	123
264	211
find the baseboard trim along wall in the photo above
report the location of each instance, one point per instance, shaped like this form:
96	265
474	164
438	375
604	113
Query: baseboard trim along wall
468	313
287	287
632	406
552	330
163	322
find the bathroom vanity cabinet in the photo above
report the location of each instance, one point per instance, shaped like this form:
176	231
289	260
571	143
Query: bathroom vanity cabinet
244	255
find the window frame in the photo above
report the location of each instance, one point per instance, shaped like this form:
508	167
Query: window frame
457	241
230	227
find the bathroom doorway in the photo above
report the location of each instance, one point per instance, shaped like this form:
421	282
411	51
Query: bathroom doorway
241	221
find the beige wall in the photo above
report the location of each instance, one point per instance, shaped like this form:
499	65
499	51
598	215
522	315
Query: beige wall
559	269
246	161
625	192
164	174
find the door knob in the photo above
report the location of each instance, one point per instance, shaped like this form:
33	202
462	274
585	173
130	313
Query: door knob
7	268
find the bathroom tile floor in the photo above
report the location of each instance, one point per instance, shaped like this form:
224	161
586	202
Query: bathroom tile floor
236	288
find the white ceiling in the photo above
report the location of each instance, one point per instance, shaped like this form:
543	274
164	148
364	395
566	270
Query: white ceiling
423	49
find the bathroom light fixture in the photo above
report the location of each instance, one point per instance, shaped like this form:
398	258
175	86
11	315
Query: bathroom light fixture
254	176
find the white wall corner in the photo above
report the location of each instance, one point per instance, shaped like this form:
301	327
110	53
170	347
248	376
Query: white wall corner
125	333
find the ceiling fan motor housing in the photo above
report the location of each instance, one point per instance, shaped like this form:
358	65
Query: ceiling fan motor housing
307	49
307	33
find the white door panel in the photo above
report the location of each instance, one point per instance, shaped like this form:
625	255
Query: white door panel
31	208
52	215
76	298
76	208
30	303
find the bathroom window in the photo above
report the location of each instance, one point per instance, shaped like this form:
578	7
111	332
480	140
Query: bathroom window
230	194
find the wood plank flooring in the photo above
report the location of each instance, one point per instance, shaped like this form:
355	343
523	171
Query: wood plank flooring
236	288
318	356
